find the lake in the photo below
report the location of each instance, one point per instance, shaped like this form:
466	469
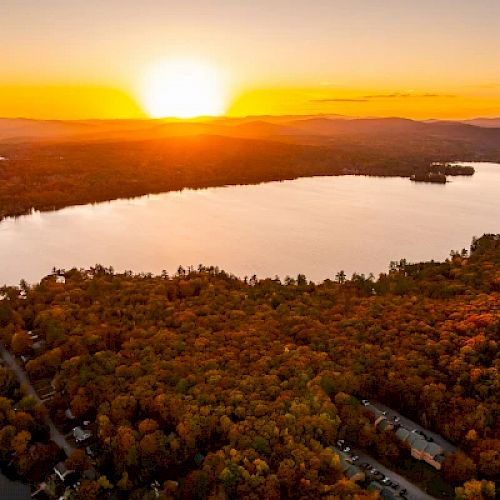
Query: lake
13	490
315	226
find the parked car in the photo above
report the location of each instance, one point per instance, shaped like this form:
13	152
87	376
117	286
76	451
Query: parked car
386	480
354	458
347	449
365	402
396	419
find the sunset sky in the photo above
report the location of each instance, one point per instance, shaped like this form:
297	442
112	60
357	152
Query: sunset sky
92	58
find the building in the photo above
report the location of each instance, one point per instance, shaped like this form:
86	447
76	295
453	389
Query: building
381	421
81	434
383	424
421	449
62	471
38	346
60	279
69	414
350	470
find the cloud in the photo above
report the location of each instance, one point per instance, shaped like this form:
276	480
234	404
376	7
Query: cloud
368	98
334	99
403	95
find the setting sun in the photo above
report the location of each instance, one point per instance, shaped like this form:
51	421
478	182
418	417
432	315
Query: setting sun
183	89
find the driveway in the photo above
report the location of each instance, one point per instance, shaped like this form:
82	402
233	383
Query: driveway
55	435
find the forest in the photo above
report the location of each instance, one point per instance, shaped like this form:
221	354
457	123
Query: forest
213	386
56	166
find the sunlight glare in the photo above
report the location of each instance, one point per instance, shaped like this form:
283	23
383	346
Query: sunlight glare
183	89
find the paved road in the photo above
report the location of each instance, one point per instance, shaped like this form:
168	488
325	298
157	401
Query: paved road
412	492
55	435
410	425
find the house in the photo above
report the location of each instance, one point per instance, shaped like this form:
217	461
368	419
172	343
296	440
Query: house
421	449
22	295
351	471
383	424
379	415
91	452
90	474
436	461
69	414
402	433
60	279
430	453
38	346
81	434
62	471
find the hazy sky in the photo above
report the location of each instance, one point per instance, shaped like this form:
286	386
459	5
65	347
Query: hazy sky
67	58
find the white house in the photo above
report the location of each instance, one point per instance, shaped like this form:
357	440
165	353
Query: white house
62	471
80	434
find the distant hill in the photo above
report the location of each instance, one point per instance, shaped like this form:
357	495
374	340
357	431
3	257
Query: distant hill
53	164
299	129
484	122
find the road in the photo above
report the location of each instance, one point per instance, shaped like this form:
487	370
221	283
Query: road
55	435
410	425
412	492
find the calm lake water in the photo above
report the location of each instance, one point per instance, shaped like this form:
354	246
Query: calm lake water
13	490
315	226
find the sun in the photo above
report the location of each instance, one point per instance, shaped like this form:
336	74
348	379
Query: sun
183	89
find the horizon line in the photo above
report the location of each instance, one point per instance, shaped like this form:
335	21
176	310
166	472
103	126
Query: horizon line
242	117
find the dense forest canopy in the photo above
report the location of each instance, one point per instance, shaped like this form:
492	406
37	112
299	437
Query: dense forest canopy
48	165
213	385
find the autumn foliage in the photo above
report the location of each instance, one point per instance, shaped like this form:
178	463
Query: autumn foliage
212	384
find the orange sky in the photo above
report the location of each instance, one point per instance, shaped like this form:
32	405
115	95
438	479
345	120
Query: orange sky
426	59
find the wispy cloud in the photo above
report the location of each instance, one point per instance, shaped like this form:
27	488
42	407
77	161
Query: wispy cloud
335	99
372	97
404	95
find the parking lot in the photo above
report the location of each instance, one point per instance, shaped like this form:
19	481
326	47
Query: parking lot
376	471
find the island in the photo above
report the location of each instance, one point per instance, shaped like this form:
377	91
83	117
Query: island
451	169
437	178
437	172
